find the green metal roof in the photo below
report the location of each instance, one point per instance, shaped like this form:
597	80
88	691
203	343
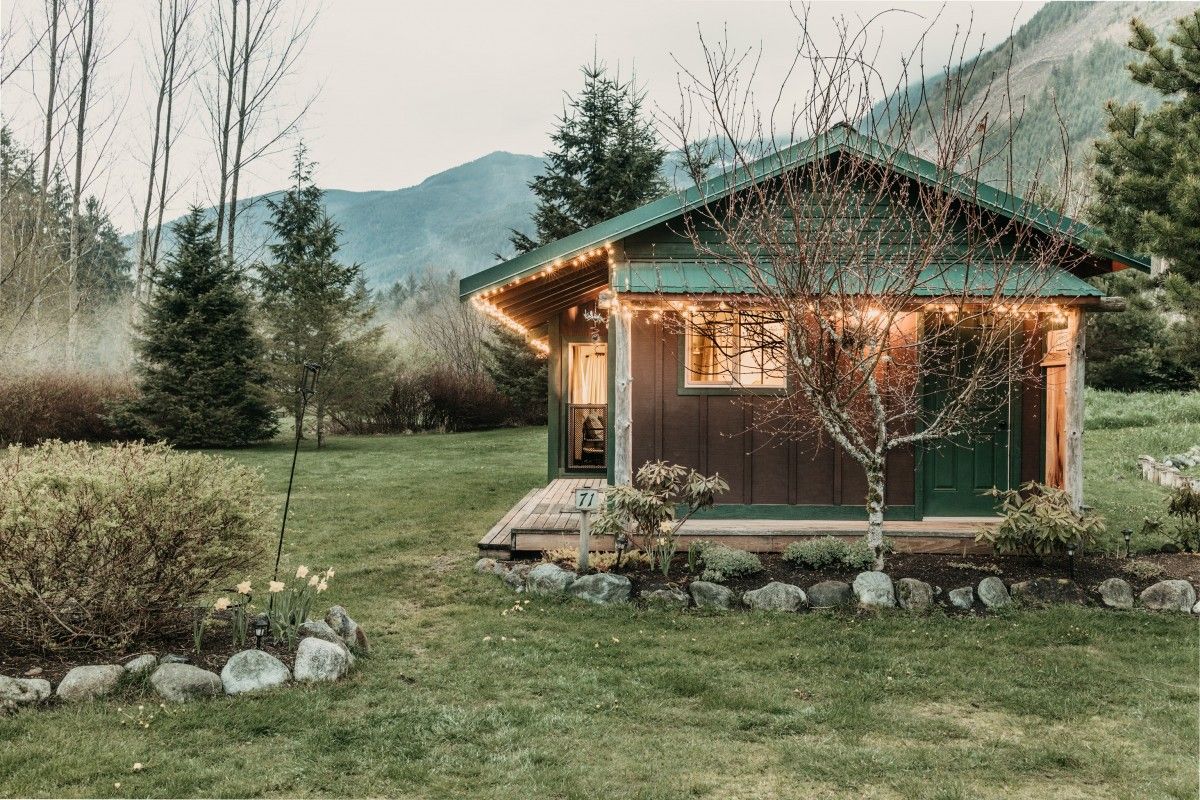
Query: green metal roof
840	138
698	277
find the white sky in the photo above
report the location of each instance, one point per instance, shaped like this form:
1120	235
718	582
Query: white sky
407	89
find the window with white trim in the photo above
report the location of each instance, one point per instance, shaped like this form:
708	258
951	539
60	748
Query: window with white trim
735	349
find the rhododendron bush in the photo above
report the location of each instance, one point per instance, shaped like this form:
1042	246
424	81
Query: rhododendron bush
102	546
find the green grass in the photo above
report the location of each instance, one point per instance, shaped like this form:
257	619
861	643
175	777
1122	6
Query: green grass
1061	703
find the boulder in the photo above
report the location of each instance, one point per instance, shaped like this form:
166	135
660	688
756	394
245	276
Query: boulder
667	598
602	588
992	593
1048	591
143	663
182	682
776	596
86	683
173	658
1196	608
1173	595
548	579
1116	593
830	594
516	575
350	631
252	671
318	629
914	595
486	566
17	692
962	598
711	595
875	590
318	660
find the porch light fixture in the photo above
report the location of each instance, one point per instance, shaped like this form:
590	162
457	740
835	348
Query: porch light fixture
605	301
1127	534
260	630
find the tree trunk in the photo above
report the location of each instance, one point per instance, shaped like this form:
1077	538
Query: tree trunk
226	113
85	74
320	421
55	9
875	487
240	140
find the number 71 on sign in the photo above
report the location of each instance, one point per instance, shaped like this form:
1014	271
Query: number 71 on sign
587	500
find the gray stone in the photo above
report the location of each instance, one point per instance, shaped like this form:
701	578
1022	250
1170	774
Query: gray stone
962	598
143	663
182	682
1173	595
17	692
1048	591
1116	593
86	683
776	596
549	579
486	566
1196	608
252	671
172	658
874	589
319	629
350	631
667	598
914	595
516	574
992	593
830	594
602	588
711	595
318	660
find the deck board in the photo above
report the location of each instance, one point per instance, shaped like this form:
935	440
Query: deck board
545	519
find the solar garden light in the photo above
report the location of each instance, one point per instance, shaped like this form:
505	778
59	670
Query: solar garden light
1128	534
1071	557
621	543
306	387
260	630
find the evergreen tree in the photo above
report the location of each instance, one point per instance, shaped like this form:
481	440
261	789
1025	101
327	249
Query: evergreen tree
317	309
200	369
1147	177
519	374
607	160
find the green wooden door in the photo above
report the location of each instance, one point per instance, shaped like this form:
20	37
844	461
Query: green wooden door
957	471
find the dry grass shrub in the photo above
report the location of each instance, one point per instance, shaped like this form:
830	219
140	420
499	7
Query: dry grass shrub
61	404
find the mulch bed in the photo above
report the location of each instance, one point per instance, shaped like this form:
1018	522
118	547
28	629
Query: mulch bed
216	648
947	571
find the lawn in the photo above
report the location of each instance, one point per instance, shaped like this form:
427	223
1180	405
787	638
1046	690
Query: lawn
565	701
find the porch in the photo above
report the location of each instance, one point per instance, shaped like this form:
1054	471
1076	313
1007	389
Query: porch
545	519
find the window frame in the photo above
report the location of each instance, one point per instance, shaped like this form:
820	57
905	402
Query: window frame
688	385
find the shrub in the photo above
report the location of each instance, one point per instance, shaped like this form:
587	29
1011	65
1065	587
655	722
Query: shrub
462	401
722	563
1143	570
105	545
830	552
1184	505
568	558
1039	519
71	406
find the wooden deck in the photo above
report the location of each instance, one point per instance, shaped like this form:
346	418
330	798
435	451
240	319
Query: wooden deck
545	519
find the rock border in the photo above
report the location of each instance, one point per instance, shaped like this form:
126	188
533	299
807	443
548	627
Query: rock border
1164	474
869	590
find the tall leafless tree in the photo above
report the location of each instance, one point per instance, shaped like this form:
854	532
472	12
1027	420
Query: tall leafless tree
86	46
899	310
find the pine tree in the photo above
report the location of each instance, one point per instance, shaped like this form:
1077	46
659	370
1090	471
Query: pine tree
200	362
607	160
519	374
317	309
1147	177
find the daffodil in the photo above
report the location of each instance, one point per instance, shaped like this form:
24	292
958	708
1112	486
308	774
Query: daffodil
243	587
329	573
275	586
314	580
322	586
221	604
301	571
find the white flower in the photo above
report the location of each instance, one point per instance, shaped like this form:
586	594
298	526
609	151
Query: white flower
314	580
243	587
301	571
137	766
221	604
329	573
322	586
275	586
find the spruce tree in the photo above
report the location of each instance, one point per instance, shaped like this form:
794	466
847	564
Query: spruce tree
607	160
317	309
1147	177
200	363
519	374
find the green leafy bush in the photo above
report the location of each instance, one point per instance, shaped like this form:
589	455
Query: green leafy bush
1184	505
829	553
102	545
1039	519
722	563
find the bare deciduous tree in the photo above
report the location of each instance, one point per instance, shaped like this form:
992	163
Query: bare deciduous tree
901	309
86	46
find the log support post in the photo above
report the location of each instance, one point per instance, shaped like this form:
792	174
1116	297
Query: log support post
1073	455
622	411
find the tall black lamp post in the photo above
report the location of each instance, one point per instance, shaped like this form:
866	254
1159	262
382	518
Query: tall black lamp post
306	386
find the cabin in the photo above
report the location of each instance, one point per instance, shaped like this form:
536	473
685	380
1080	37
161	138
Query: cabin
626	387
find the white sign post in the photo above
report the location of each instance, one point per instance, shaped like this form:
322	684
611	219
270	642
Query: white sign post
586	501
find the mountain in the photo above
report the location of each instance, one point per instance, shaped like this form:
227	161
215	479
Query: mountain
1069	56
454	220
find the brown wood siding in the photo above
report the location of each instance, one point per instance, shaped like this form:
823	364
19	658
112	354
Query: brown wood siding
719	433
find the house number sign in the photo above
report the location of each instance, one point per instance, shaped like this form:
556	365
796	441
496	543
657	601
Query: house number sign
586	501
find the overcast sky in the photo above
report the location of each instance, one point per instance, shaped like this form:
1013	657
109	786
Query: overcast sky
406	89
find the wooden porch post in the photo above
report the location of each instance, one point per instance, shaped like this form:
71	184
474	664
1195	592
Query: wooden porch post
622	411
1073	457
